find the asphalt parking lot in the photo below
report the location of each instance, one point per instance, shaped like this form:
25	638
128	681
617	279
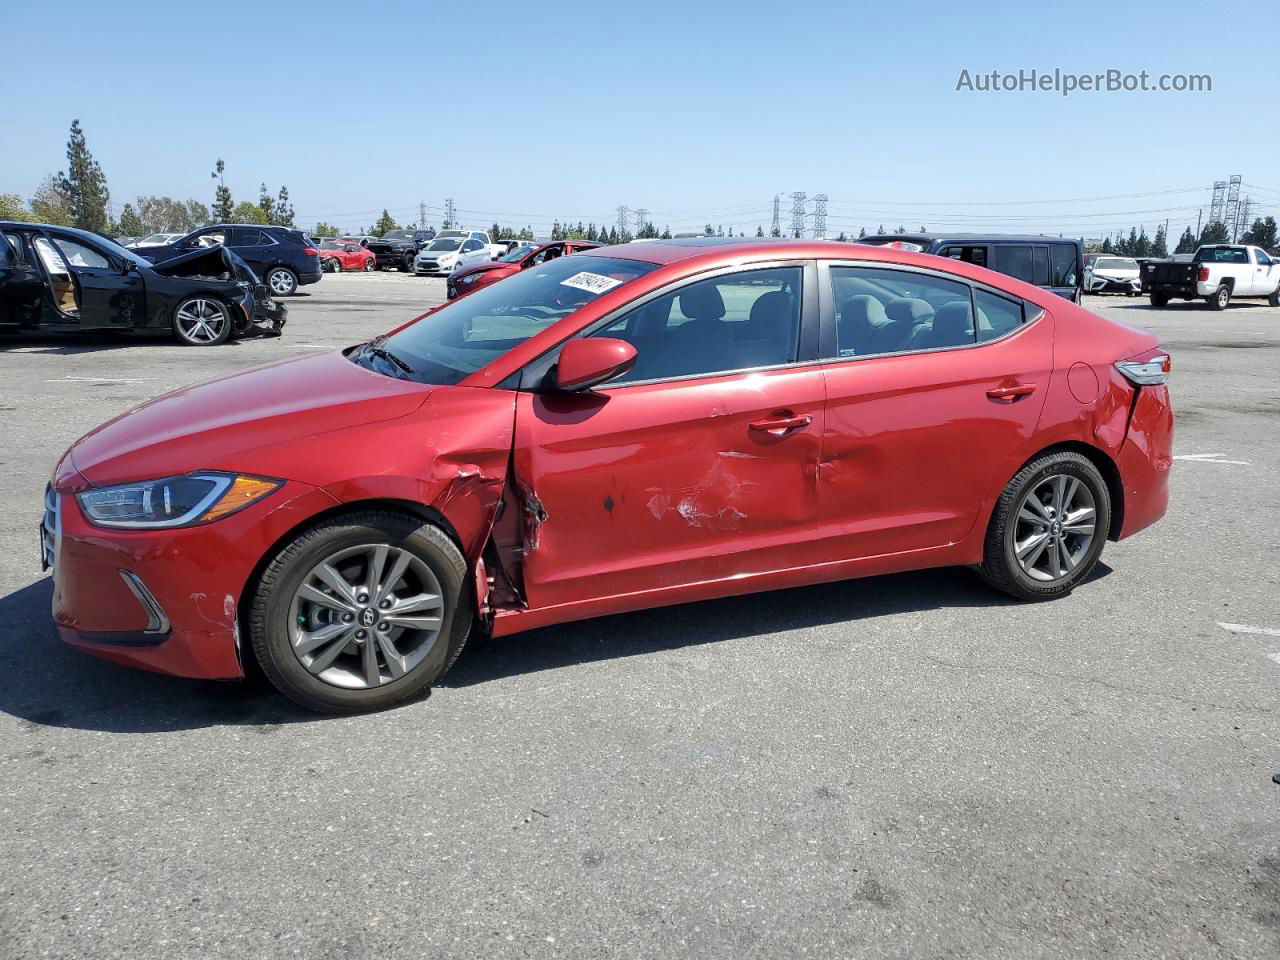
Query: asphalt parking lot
909	766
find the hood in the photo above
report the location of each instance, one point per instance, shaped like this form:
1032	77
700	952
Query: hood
484	268
437	254
206	262
1129	273
206	426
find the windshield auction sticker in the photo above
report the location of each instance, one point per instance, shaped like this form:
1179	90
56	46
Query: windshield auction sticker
591	282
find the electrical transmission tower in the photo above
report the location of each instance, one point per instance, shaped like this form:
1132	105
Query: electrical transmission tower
448	212
642	217
775	228
1218	206
797	214
1243	222
624	214
1232	218
422	215
819	216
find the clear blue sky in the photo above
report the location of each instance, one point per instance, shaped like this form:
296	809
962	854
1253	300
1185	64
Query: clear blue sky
697	111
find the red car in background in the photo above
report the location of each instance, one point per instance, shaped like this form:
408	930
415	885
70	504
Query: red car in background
339	255
480	275
628	427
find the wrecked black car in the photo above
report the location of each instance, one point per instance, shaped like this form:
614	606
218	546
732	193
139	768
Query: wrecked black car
59	279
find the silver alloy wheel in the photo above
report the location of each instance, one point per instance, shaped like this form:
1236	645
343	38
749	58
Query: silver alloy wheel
281	281
365	616
200	320
1224	297
369	264
1054	527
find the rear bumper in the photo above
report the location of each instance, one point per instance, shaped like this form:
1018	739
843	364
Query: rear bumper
167	601
1145	459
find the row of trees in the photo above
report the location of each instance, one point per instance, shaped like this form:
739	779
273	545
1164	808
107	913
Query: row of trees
1261	233
79	197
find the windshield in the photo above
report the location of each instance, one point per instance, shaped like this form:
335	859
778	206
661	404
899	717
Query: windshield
465	335
398	235
330	245
517	253
1115	263
446	243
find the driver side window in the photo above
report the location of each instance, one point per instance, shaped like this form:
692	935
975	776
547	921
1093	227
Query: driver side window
739	321
81	256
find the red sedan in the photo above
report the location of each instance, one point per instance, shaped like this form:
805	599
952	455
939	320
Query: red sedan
476	277
339	255
648	424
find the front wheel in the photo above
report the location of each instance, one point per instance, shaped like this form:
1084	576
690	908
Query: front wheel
1159	299
1219	299
361	612
1048	528
335	265
369	265
282	281
202	322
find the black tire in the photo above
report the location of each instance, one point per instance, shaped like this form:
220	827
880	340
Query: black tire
370	265
406	265
1000	567
335	265
273	595
281	281
1159	299
1219	299
217	323
1274	299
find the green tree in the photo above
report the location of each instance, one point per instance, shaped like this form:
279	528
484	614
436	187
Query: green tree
196	214
1160	245
84	184
284	209
1262	233
384	225
1214	232
666	233
246	212
759	231
323	229
12	208
266	204
707	231
862	232
51	203
130	224
495	231
526	234
842	238
222	205
1186	242
613	235
647	231
1106	245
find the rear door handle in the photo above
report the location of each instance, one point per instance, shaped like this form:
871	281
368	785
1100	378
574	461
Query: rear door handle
781	425
1011	393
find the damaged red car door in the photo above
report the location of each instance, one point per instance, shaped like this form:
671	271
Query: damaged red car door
698	465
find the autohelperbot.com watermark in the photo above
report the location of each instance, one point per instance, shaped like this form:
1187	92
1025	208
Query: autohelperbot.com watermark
1065	83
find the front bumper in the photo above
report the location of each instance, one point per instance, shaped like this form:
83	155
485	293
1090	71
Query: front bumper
433	268
1109	285
163	600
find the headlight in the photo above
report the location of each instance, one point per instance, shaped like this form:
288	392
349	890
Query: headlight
174	501
469	278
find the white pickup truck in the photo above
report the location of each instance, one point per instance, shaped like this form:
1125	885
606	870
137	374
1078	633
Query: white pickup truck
1215	274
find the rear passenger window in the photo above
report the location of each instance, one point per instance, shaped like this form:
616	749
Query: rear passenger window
1013	260
1040	266
245	237
890	311
996	315
734	322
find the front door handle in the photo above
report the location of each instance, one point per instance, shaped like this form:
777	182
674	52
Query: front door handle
781	425
1012	393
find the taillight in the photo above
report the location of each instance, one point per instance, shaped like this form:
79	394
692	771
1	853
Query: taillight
1203	275
310	251
1146	369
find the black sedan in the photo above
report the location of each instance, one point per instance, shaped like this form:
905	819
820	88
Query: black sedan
62	279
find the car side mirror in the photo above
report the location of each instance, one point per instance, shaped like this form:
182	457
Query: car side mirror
587	363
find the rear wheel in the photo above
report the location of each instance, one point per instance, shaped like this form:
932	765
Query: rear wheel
1159	299
369	264
1048	528
361	612
202	322
1274	298
1219	299
282	281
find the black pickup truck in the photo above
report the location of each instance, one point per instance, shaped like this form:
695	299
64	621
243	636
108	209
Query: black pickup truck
397	248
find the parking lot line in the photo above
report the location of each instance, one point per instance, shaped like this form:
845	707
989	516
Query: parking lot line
1245	628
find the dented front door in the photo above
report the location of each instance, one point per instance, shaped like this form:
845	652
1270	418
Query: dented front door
654	485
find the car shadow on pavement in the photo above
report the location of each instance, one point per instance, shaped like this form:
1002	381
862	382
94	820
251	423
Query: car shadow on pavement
43	682
713	621
46	683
